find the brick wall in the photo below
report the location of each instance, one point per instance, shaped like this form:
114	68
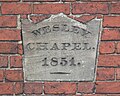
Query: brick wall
107	81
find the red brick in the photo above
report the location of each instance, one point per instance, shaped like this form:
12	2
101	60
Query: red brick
118	73
20	49
118	47
111	21
16	8
8	0
6	88
107	47
105	74
111	34
8	47
68	0
84	18
33	88
109	60
40	0
104	0
11	88
101	94
60	88
51	8
37	19
10	34
90	8
85	87
1	75
18	88
16	62
3	61
24	16
8	21
115	8
93	95
99	16
14	75
108	87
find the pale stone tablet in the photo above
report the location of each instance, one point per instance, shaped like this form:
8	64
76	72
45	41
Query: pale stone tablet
60	49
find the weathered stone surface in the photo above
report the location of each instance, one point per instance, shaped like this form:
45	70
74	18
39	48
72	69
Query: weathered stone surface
60	49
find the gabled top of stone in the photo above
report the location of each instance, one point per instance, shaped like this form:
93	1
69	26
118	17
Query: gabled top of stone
61	17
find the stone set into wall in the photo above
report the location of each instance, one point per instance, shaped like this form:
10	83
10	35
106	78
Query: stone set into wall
107	73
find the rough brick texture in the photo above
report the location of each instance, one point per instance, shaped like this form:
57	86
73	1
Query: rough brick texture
105	74
10	34
1	75
111	34
10	88
118	73
8	0
41	0
3	61
51	8
16	8
6	88
60	88
18	88
118	47
16	61
90	8
111	21
20	49
14	75
107	70
8	21
33	88
115	8
107	87
107	47
86	87
8	47
109	60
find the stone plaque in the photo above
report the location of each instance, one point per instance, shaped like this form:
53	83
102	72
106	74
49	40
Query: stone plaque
60	49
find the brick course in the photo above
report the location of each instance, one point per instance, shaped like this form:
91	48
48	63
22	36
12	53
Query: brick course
8	21
12	81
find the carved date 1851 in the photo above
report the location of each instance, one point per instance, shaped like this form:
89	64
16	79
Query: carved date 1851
62	61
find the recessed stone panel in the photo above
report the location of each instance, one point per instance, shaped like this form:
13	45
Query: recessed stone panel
60	49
